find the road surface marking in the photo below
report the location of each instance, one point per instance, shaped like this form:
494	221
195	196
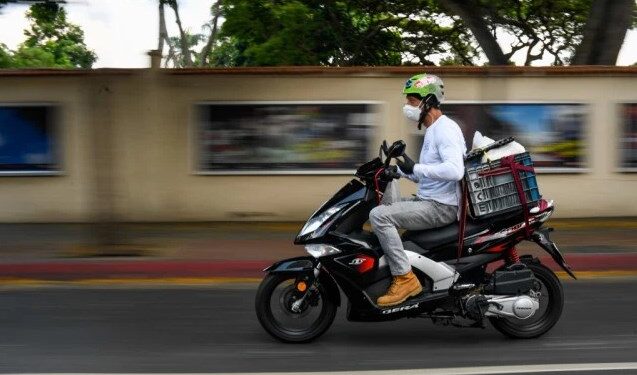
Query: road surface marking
481	370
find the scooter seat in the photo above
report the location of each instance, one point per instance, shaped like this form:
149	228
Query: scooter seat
432	238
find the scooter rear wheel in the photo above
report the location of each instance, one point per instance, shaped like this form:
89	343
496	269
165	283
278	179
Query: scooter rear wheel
275	298
551	304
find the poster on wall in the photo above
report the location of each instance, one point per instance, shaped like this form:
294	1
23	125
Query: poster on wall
552	132
27	139
283	137
628	137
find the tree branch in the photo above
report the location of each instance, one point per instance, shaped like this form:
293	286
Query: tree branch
203	60
469	14
163	32
602	40
183	39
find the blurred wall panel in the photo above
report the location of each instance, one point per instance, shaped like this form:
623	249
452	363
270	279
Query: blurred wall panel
282	137
553	132
628	137
29	141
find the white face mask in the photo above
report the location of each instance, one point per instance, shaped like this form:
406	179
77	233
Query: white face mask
411	113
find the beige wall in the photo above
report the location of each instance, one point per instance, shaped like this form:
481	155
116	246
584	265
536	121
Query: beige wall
128	152
60	198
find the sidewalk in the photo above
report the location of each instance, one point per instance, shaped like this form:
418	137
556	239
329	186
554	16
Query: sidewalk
230	252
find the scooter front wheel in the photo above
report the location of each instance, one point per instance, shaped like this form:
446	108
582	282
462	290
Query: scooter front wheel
284	318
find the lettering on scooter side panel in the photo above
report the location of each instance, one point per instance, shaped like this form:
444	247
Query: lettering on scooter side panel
357	261
404	308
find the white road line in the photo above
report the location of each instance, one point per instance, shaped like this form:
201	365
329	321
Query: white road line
482	370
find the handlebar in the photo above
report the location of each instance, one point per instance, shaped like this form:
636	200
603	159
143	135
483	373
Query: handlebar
391	173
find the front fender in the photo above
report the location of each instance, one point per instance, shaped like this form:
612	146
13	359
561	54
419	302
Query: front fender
305	266
293	265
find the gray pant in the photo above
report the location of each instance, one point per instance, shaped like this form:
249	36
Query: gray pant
408	213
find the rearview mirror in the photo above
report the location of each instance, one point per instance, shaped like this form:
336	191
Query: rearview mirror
396	149
384	147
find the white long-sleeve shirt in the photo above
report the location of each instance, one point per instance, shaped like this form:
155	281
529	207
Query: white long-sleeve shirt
441	163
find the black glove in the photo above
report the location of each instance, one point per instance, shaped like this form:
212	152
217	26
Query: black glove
391	173
406	166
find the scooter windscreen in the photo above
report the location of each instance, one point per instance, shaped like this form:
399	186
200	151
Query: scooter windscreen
319	223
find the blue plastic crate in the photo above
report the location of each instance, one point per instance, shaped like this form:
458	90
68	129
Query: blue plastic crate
494	195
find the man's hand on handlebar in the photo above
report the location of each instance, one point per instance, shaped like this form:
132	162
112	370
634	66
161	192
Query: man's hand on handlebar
407	166
391	173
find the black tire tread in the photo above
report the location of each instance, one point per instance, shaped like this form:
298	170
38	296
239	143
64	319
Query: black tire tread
556	305
262	303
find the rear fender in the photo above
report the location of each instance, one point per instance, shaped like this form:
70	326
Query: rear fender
541	237
304	266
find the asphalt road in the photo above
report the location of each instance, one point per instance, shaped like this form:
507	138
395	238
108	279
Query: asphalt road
215	330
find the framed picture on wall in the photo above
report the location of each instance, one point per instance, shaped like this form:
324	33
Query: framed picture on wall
28	139
628	137
283	137
554	133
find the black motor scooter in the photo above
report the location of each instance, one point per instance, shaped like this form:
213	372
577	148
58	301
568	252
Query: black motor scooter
522	298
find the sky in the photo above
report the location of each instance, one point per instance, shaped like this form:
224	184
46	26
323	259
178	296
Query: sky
121	32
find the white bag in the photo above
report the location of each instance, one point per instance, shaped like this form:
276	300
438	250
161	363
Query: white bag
512	148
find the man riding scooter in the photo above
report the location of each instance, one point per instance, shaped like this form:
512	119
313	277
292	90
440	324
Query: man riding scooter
439	169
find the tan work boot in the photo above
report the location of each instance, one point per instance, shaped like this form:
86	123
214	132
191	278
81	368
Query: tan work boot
401	288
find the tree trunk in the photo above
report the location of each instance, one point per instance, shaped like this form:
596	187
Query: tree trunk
185	50
604	32
472	16
203	61
163	32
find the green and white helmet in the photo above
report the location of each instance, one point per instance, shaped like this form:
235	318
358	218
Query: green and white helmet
425	84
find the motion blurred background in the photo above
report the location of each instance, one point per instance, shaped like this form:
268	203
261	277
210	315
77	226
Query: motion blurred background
138	133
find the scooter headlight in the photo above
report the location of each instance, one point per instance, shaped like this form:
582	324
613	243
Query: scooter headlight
314	223
321	250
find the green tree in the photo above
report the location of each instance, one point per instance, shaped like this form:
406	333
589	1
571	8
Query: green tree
51	41
394	32
341	33
6	58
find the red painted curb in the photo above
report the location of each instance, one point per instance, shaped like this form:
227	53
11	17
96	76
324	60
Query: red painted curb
69	270
141	269
596	262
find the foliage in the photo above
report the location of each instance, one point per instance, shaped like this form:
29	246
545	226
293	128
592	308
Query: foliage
51	41
227	54
400	32
176	56
5	57
364	32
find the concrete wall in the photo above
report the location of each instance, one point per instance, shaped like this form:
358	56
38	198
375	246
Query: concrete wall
128	153
61	198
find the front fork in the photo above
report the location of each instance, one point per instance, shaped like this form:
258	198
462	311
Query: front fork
311	288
